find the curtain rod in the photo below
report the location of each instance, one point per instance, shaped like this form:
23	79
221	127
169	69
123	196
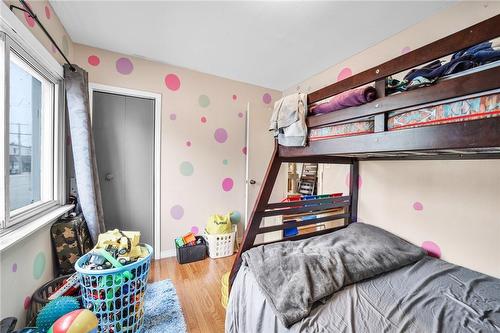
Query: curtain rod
30	12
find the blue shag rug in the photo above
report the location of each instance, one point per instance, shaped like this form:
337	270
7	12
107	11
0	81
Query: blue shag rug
162	311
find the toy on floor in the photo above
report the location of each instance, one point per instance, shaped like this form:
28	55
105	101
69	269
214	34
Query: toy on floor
78	321
54	310
188	239
70	287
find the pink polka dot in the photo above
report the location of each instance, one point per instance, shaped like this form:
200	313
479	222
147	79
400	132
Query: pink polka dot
47	12
266	98
177	212
124	66
173	116
432	249
244	150
220	135
418	206
188	143
194	229
240	114
27	303
172	82
203	119
29	20
348	180
227	184
344	73
405	49
14	267
94	60
235	97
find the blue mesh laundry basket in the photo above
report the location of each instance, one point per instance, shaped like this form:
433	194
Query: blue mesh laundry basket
116	295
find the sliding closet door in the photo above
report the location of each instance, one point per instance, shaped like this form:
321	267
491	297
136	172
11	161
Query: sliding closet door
124	139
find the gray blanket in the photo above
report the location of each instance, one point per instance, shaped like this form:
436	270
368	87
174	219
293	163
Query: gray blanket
293	276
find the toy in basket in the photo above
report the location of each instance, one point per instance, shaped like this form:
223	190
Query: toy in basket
220	235
113	279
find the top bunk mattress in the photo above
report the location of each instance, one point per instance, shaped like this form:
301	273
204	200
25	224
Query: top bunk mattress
430	295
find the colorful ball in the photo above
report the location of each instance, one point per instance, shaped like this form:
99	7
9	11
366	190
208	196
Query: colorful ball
54	310
78	321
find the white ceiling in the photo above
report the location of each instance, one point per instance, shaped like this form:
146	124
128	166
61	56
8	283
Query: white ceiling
271	44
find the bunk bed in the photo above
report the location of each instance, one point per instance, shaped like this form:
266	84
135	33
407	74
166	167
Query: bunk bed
378	130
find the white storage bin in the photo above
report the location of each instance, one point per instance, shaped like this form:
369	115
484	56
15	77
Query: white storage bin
221	245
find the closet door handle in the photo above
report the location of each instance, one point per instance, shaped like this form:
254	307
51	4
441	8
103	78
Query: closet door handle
253	182
109	177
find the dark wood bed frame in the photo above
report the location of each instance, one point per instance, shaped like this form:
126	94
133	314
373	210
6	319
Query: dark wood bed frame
475	139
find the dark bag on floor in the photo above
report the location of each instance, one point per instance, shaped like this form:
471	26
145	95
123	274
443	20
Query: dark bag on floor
70	240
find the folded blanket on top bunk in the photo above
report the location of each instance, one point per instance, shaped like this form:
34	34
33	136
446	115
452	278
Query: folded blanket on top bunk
353	97
288	121
293	275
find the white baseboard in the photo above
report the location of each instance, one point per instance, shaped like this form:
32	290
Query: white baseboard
168	253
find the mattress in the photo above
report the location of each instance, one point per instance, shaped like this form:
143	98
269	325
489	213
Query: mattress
457	111
430	295
338	130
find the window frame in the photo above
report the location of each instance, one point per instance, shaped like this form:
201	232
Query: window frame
53	140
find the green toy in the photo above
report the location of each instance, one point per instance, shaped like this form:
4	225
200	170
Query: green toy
54	310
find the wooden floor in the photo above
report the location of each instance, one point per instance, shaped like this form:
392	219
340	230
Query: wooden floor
198	287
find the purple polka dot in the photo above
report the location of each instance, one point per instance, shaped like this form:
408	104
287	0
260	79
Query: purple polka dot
227	184
94	60
27	303
432	249
220	135
173	116
418	206
240	114
203	119
244	150
177	212
172	82
405	49
14	267
188	143
344	73
348	180
194	229
235	97
266	98
47	12
124	66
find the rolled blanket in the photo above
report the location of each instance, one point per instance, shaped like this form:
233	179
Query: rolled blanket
353	97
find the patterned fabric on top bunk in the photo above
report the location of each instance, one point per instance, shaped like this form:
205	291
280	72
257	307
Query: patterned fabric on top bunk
464	110
346	129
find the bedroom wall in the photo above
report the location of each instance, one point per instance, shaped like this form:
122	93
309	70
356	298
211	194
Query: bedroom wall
203	135
28	264
449	207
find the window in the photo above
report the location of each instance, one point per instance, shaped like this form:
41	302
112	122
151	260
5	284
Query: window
32	133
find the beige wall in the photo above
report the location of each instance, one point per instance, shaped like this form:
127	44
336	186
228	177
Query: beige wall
27	265
199	95
454	204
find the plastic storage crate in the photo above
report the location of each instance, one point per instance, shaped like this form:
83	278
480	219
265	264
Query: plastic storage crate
221	245
116	295
187	254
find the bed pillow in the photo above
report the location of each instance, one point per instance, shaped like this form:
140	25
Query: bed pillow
293	275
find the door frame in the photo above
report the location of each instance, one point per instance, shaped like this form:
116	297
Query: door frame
97	87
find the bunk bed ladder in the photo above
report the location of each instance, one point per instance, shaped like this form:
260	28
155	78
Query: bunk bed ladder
264	209
308	179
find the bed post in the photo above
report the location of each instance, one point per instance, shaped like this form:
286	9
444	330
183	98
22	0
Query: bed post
353	191
260	205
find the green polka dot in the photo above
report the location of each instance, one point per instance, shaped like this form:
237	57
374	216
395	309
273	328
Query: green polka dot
39	265
186	168
225	162
203	101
